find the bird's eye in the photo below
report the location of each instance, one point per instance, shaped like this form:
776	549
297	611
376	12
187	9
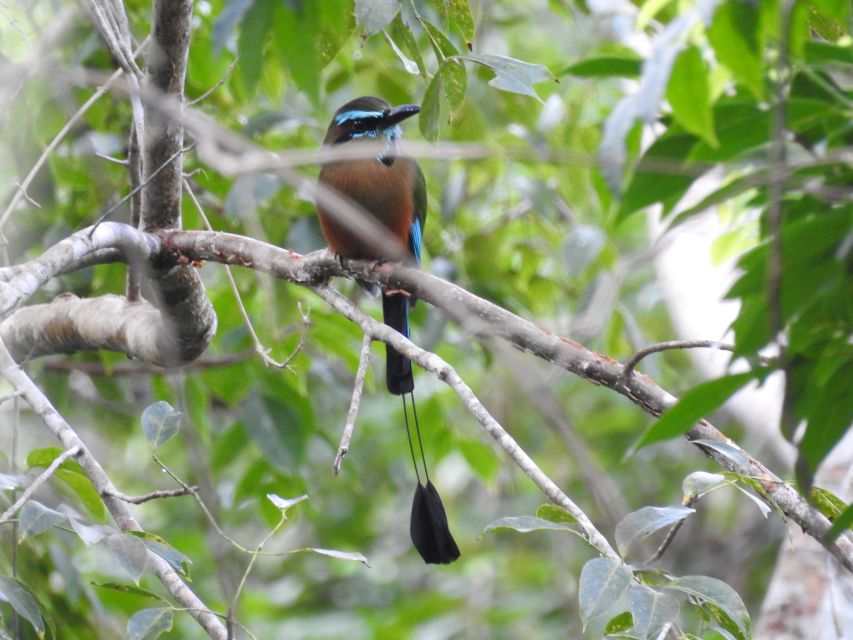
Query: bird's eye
358	124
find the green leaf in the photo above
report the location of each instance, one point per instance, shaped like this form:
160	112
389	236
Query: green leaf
827	502
72	476
824	52
841	524
35	518
400	35
480	457
662	176
700	401
254	31
454	81
605	67
553	513
651	610
372	16
17	594
689	95
158	545
603	582
43	457
450	81
828	410
129	589
639	525
296	32
829	18
719	594
462	19
515	76
443	47
526	524
352	556
82	487
149	624
619	624
734	34
160	422
130	553
430	110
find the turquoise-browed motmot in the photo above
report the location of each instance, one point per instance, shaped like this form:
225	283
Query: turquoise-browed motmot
391	188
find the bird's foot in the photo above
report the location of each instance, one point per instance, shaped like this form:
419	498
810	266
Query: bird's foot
397	292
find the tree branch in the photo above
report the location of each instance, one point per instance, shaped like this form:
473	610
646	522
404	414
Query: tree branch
483	319
19	380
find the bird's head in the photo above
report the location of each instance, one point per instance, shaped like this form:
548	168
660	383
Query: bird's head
368	118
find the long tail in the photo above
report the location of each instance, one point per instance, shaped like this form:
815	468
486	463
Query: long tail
428	526
398	370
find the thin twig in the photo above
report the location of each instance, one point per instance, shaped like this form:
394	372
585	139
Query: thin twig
155	495
43	477
142	185
59	137
670	536
252	560
218	84
191	490
634	360
133	369
260	349
357	390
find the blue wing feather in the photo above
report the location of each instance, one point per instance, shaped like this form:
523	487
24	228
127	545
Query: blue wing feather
416	239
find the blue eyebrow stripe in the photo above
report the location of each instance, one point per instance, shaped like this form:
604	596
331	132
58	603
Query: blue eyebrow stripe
354	115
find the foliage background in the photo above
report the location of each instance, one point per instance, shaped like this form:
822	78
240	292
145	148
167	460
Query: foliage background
532	226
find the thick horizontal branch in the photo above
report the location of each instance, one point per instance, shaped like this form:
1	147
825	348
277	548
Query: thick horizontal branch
488	321
480	317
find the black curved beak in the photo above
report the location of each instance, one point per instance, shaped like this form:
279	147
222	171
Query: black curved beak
398	114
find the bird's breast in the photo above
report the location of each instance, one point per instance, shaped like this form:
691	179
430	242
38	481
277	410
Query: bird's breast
385	192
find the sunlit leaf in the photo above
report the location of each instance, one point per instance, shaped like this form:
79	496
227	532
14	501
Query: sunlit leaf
734	34
689	95
553	513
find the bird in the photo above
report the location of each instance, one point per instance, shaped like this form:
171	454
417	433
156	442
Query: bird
391	188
